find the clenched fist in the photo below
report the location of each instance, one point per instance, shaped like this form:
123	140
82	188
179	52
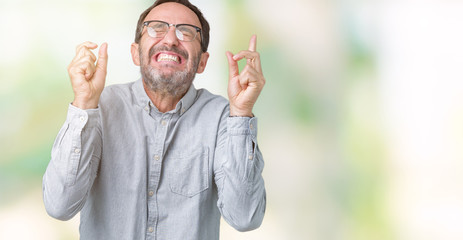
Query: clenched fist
88	78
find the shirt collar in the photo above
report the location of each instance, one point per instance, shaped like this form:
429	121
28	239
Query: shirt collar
182	106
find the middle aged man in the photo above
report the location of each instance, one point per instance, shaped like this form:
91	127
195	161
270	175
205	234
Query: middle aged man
157	158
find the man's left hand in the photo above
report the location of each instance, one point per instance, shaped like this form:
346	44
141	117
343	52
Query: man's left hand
244	87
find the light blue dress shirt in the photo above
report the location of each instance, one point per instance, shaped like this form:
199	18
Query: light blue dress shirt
136	173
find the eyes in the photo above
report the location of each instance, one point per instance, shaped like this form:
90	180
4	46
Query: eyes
184	32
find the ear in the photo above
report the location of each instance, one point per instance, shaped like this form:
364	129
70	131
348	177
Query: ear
135	53
202	62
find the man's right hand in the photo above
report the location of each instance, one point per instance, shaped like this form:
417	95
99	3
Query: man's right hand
88	79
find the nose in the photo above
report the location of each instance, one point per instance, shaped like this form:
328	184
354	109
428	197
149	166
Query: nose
170	38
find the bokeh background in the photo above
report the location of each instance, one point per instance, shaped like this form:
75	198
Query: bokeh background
360	123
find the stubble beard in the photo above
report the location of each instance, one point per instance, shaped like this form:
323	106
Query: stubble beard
174	84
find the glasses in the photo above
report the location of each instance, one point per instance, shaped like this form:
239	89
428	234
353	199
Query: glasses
184	32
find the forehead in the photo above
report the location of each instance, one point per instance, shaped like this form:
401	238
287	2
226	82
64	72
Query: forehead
175	13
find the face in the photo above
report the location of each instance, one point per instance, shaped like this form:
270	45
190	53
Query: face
168	65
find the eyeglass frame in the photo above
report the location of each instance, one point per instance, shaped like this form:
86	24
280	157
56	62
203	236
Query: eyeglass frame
198	29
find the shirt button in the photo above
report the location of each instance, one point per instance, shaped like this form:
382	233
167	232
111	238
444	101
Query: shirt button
82	119
77	150
151	193
147	108
183	110
156	157
150	229
250	157
251	126
164	123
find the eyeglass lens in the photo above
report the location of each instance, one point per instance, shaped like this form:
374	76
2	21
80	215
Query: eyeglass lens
184	33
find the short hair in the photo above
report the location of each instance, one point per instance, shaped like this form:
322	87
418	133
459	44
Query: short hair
204	24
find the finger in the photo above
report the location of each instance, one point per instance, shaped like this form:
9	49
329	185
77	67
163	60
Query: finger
248	76
102	63
89	71
81	48
84	54
253	43
253	59
87	53
244	79
233	69
84	68
245	54
86	44
78	61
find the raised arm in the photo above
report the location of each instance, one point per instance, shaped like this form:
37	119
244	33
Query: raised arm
238	174
77	149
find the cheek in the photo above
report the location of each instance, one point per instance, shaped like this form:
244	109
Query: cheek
146	44
195	54
193	60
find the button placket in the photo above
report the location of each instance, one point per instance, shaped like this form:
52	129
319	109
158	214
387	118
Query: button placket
161	123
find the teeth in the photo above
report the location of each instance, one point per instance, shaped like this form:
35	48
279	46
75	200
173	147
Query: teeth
166	57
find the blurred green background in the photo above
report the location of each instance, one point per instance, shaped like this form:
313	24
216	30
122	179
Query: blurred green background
360	121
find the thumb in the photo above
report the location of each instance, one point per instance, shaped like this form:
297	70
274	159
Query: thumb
233	69
102	63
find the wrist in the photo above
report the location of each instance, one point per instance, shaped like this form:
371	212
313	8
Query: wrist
236	113
82	104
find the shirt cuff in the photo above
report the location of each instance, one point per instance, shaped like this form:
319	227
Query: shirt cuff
82	118
242	126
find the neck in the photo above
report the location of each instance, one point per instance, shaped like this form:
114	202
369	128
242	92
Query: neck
163	101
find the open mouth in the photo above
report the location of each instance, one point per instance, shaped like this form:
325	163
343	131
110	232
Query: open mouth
168	58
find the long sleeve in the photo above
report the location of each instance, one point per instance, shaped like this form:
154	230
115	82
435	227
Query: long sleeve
238	175
74	163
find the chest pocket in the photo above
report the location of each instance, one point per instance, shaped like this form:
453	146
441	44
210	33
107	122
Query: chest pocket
191	174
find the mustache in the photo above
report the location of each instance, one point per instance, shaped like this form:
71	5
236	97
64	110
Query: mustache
156	49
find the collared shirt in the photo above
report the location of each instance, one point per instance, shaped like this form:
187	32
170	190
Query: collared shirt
137	173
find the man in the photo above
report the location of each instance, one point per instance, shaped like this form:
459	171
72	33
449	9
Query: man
157	158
